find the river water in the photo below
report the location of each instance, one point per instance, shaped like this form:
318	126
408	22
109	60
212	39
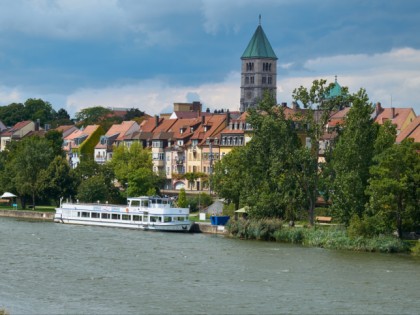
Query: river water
49	268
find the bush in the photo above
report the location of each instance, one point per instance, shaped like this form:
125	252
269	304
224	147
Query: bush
366	227
415	251
262	229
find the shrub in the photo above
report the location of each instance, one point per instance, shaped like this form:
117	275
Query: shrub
415	251
366	227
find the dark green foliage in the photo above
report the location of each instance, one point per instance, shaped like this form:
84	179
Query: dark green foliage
258	229
133	113
352	157
368	226
93	189
394	186
182	201
199	202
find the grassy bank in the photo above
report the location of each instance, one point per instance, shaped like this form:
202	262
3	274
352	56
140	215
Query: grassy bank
326	236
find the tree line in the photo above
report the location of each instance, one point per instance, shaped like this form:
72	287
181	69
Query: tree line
36	170
372	184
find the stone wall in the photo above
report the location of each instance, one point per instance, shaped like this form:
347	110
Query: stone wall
48	216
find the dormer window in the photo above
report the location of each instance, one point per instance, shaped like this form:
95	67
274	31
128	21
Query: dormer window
194	142
216	141
192	129
181	131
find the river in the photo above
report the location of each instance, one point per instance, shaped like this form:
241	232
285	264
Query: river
49	268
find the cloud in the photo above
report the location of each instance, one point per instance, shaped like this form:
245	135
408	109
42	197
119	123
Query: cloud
155	96
387	77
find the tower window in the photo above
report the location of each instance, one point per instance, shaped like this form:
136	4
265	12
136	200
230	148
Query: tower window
252	80
264	80
270	80
246	80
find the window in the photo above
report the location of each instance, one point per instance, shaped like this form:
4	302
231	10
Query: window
180	142
270	80
252	80
95	215
167	219
157	144
246	80
85	215
115	216
105	215
126	217
136	218
264	80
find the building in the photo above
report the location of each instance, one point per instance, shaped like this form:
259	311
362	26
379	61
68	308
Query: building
399	117
114	136
412	131
259	70
17	132
81	143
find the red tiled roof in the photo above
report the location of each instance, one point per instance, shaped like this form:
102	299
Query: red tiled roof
399	117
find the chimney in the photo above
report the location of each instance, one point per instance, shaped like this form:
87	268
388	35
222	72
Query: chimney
156	120
227	118
378	108
295	105
392	112
203	120
37	125
284	104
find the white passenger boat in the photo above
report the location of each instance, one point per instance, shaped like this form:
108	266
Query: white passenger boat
146	213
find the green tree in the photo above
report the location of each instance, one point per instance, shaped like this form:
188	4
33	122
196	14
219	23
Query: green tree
38	109
351	159
133	168
12	114
26	160
93	189
227	179
182	199
394	186
320	102
56	140
58	180
92	115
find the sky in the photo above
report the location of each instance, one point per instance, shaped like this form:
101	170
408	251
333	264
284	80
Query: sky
149	54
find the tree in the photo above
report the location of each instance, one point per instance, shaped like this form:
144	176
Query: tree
12	114
55	138
37	109
133	113
182	199
58	180
92	115
319	105
394	186
93	189
26	160
351	159
228	176
133	168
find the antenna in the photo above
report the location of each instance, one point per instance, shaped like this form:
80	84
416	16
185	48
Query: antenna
260	20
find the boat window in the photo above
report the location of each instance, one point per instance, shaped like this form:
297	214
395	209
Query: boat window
105	215
85	215
155	219
78	214
135	203
136	218
145	218
167	219
126	217
145	203
116	216
95	215
180	219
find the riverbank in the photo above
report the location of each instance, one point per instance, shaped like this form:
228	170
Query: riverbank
27	214
198	227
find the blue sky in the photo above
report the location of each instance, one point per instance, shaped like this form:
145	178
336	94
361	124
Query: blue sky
149	54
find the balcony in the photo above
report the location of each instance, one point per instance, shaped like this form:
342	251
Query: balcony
179	161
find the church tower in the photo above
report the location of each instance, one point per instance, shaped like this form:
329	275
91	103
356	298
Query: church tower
259	70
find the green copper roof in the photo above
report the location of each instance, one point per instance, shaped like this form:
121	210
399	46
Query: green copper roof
259	46
335	91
